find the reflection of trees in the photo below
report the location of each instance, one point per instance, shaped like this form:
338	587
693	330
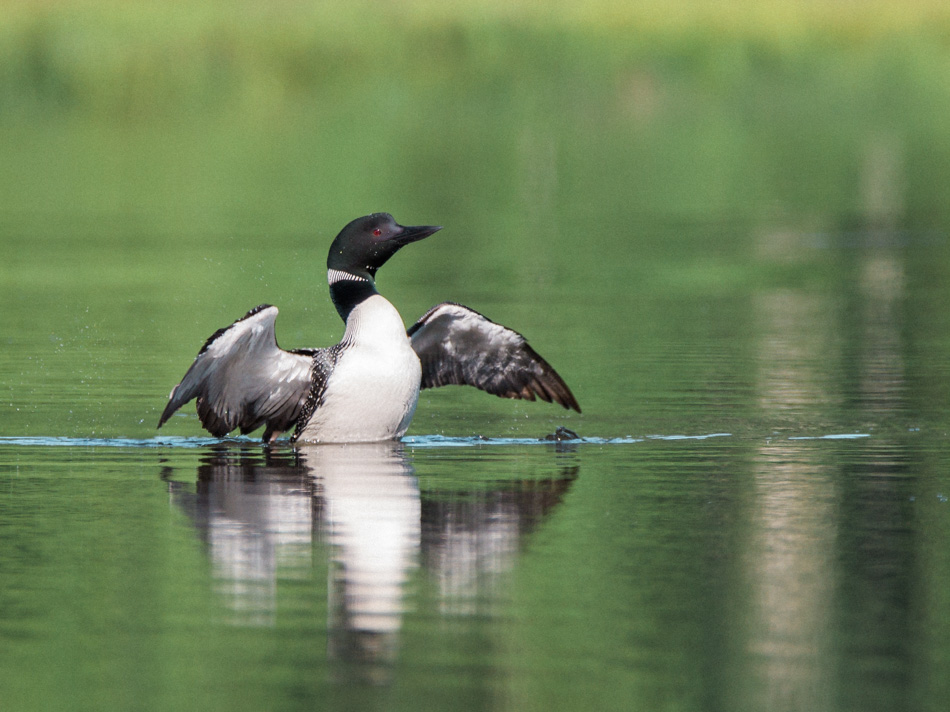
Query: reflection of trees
823	528
259	511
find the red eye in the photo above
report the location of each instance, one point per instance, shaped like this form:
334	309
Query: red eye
377	232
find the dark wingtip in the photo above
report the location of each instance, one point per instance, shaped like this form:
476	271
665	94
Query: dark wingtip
567	399
169	410
552	387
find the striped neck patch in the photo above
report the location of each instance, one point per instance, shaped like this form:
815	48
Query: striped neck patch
335	275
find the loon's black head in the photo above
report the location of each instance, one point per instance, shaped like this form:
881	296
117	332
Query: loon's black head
364	245
361	248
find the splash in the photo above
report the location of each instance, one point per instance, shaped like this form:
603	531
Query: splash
411	441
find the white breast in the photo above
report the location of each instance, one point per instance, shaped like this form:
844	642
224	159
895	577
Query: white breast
374	387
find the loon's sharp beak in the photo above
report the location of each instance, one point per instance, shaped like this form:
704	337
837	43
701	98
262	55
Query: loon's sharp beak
415	232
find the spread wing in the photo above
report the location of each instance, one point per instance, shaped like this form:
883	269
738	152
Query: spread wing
242	379
457	345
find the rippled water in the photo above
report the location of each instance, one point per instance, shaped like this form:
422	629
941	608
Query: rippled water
710	571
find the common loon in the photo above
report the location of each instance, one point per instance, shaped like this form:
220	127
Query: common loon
366	387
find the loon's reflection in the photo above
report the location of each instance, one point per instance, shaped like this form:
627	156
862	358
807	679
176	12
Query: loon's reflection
370	516
255	515
260	512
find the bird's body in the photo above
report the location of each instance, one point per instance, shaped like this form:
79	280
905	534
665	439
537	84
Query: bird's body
374	389
366	387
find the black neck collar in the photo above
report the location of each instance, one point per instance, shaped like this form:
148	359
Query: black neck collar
347	290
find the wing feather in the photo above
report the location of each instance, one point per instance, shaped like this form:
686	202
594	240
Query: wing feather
242	379
457	345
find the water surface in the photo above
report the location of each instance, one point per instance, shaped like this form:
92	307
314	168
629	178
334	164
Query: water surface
720	572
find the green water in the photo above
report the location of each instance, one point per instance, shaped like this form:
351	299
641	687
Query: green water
723	573
736	255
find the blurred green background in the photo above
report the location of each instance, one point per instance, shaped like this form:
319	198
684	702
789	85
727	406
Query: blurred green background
221	113
617	181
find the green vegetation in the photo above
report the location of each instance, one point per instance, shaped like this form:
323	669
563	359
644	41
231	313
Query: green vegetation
779	106
136	60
